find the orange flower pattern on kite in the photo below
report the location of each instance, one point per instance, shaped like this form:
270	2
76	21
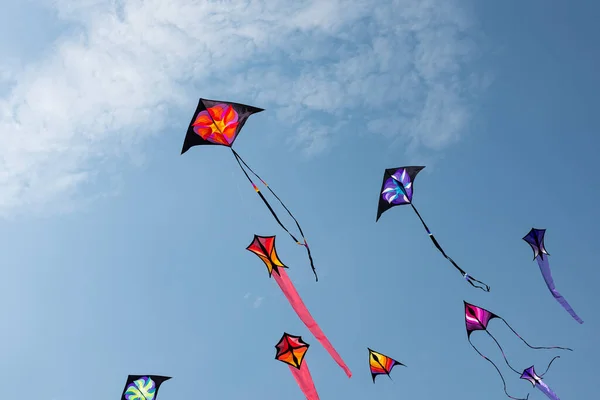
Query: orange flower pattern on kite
217	124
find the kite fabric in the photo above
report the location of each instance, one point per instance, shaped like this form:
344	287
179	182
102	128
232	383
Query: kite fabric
142	387
381	364
535	238
397	190
291	350
530	375
219	123
477	319
264	248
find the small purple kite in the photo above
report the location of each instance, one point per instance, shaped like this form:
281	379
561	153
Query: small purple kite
535	238
477	319
530	375
397	190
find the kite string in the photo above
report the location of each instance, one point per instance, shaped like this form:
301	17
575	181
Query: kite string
548	367
263	198
497	370
241	161
530	346
273	193
502	351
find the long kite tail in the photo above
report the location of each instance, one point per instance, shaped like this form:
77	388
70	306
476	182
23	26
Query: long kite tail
541	385
499	373
298	305
534	347
547	274
305	381
472	281
243	164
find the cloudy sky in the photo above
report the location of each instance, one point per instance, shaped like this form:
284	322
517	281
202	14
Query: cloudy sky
123	257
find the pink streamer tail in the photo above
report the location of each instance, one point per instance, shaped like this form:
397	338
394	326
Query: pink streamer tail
298	305
305	381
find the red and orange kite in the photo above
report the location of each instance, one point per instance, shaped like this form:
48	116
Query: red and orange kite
264	248
291	350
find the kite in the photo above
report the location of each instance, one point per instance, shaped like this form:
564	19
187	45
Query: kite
397	190
477	319
536	380
291	350
219	123
381	364
264	248
142	387
535	238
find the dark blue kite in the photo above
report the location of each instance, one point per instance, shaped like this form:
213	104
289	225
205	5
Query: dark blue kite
535	238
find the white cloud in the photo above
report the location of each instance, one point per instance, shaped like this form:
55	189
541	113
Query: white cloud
402	64
257	299
257	302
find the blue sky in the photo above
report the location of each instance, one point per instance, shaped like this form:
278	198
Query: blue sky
123	257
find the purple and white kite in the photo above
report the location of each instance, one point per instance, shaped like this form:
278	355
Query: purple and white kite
535	238
530	375
397	190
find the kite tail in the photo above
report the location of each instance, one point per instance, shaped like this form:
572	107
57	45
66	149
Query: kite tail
472	281
541	385
502	351
240	161
499	373
530	346
547	274
298	305
305	381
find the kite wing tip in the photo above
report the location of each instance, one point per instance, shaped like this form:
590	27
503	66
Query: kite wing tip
184	148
